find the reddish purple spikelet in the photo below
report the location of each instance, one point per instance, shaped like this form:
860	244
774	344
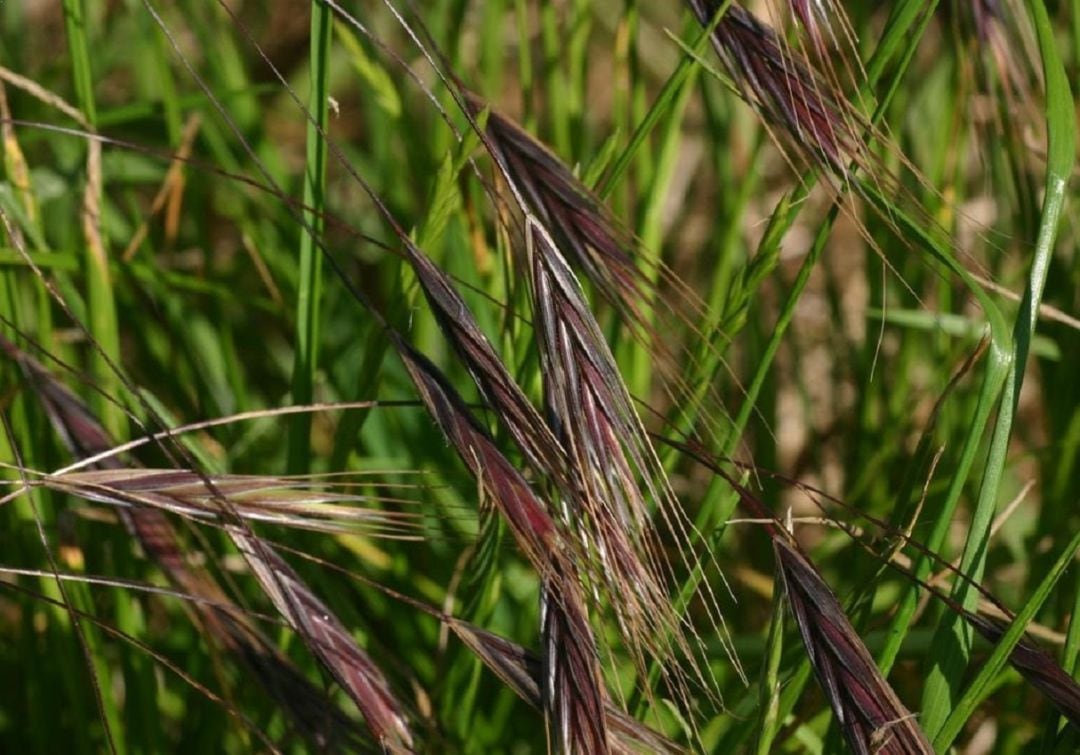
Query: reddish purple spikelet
515	411
522	671
613	473
325	635
586	398
575	715
871	716
580	223
573	694
331	642
631	588
527	516
315	716
1037	667
869	713
784	90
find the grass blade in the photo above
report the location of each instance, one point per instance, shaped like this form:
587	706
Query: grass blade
309	293
952	644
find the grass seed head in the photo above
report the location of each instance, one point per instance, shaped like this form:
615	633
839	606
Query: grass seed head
813	117
871	716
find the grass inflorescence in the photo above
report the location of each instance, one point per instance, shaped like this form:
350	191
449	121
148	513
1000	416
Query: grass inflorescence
539	377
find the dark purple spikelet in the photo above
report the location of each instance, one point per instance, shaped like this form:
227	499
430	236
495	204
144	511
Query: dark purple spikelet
591	411
515	411
587	402
785	91
331	643
533	528
632	590
315	716
522	671
592	240
614	473
606	541
576	719
580	223
869	713
1038	667
630	585
573	694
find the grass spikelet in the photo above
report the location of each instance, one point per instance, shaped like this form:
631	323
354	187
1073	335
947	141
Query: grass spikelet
522	671
584	228
619	473
575	713
533	527
869	713
513	408
616	474
573	694
282	501
991	620
329	640
605	543
814	119
595	242
318	719
1038	667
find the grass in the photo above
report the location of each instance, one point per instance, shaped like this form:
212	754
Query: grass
309	298
638	427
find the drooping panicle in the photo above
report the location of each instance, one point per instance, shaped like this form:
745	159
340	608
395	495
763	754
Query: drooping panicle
571	694
618	473
620	503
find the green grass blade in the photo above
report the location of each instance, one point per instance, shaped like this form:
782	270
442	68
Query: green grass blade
309	292
952	645
665	100
993	665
